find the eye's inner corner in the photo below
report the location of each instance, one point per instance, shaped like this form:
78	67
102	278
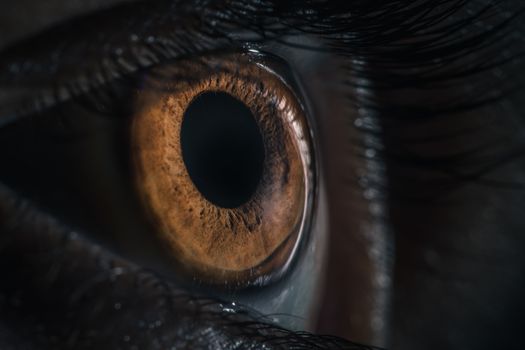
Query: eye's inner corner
222	148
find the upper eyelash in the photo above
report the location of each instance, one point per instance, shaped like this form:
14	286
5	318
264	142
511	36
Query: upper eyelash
377	43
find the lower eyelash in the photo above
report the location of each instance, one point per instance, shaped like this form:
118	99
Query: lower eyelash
68	292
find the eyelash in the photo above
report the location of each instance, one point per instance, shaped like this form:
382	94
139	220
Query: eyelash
433	56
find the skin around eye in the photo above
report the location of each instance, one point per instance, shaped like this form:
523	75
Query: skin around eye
223	168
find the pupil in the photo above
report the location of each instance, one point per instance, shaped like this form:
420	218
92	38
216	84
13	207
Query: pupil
222	148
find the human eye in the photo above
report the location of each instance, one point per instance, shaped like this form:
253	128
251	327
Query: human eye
203	174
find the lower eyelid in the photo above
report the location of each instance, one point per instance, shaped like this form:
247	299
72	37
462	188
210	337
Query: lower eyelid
108	299
67	292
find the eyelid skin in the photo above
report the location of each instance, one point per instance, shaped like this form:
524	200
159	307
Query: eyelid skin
17	24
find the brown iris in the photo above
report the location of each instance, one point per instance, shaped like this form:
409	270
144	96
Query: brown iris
222	159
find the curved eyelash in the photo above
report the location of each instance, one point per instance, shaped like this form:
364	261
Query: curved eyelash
388	44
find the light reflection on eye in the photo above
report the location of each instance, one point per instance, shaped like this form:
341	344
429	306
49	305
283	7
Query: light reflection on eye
222	165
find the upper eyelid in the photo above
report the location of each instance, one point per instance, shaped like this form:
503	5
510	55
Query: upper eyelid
55	66
55	75
17	25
